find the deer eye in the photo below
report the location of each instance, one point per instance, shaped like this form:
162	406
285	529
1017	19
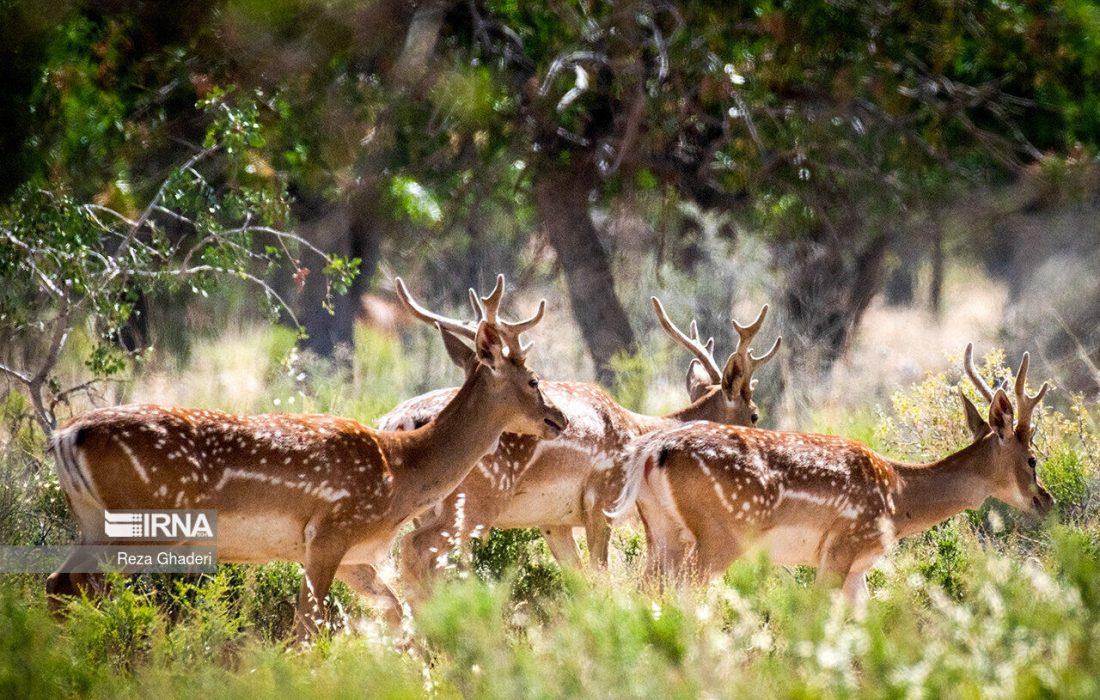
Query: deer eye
1031	462
533	383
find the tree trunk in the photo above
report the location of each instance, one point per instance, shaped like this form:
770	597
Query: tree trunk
828	290
935	293
353	228
327	326
561	197
350	230
901	282
829	287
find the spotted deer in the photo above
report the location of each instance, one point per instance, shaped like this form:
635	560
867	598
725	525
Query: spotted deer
556	486
321	490
709	493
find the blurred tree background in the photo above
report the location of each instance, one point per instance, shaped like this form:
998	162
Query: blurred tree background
850	148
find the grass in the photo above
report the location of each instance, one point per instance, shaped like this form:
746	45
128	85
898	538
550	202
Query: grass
1015	627
984	605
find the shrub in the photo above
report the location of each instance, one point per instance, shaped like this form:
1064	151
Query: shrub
927	423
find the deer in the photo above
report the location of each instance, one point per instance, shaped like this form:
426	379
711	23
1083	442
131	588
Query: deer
708	493
569	483
324	491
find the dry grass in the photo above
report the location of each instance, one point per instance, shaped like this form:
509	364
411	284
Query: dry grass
898	346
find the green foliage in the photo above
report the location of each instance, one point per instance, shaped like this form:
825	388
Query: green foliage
66	264
33	508
633	375
79	91
630	544
409	199
1067	477
947	560
120	630
927	422
521	558
1015	627
36	661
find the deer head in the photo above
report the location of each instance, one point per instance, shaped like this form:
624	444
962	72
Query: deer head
728	390
1012	466
497	359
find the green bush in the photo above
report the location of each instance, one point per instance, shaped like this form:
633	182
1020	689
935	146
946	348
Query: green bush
521	558
633	375
995	624
977	606
944	562
927	423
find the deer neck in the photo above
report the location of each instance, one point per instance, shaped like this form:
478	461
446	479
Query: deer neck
429	463
712	406
707	407
928	494
704	408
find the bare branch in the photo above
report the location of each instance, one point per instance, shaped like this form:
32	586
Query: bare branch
62	397
15	374
159	196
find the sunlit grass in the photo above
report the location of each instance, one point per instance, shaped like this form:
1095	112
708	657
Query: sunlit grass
984	605
1015	627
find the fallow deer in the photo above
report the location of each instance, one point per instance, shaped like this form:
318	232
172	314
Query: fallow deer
570	482
709	493
324	491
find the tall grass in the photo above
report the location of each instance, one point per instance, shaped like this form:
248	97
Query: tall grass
1023	627
985	605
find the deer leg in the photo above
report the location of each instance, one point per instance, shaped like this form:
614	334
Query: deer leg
562	545
600	494
835	566
656	549
855	588
419	551
423	552
63	584
597	532
714	553
679	562
365	580
670	548
322	560
669	561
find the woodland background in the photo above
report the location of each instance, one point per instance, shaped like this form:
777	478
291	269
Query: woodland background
205	203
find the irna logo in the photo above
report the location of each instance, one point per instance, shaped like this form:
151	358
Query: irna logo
159	524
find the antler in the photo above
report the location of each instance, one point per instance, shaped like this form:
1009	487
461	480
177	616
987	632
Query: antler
490	305
486	308
465	329
972	372
1025	405
747	333
702	351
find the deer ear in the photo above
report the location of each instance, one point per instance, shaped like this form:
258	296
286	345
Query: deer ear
459	352
978	427
1000	415
490	347
698	381
733	375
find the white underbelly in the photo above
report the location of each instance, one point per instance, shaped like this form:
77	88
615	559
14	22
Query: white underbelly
551	491
366	553
536	505
791	545
260	538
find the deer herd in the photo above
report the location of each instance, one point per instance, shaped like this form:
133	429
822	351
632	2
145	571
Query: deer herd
508	450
